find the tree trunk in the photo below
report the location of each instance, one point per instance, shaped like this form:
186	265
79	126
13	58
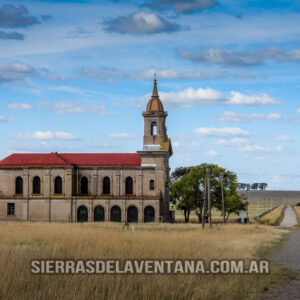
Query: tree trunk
186	215
200	218
226	218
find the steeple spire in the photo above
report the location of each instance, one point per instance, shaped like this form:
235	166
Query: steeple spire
154	103
155	93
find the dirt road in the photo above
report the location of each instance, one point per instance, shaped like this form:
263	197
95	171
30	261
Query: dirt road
287	256
289	219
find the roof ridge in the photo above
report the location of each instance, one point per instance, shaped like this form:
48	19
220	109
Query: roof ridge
62	158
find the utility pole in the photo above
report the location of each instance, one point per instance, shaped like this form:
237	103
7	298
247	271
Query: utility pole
204	203
223	200
208	197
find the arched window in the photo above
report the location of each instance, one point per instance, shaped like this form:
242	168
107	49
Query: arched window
36	185
106	186
84	186
58	185
129	186
153	128
151	184
19	185
149	214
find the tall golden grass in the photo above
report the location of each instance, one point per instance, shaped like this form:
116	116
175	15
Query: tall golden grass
297	211
274	217
22	242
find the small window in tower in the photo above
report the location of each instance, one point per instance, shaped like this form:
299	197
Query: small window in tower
151	185
153	128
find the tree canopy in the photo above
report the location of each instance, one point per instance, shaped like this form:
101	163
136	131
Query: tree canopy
188	189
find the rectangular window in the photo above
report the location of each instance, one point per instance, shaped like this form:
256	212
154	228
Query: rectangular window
10	209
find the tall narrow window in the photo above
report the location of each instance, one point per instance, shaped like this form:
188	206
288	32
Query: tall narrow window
36	188
106	186
151	184
58	185
10	209
84	186
19	185
129	186
153	128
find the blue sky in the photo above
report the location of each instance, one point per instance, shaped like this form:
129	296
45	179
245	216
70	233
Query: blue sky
75	76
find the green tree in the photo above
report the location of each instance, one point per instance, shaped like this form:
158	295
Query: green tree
254	186
180	191
189	190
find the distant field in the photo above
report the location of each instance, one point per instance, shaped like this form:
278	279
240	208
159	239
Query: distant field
22	242
254	209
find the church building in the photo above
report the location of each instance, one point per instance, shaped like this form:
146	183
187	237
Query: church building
81	187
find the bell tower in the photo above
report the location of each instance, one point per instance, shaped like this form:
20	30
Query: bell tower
155	130
157	149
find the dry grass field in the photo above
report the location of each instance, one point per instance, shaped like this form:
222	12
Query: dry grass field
274	217
297	211
22	242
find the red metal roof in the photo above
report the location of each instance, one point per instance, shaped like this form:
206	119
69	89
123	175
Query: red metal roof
69	159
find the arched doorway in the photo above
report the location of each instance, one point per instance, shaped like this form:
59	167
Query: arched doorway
115	214
82	214
149	214
99	214
132	214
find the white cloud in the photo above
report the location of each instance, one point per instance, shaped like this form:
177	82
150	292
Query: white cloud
15	71
232	142
259	158
20	106
5	120
232	117
238	98
140	23
48	135
175	144
221	132
283	138
110	74
123	135
211	153
254	148
249	58
207	96
190	97
65	108
68	89
173	74
195	144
